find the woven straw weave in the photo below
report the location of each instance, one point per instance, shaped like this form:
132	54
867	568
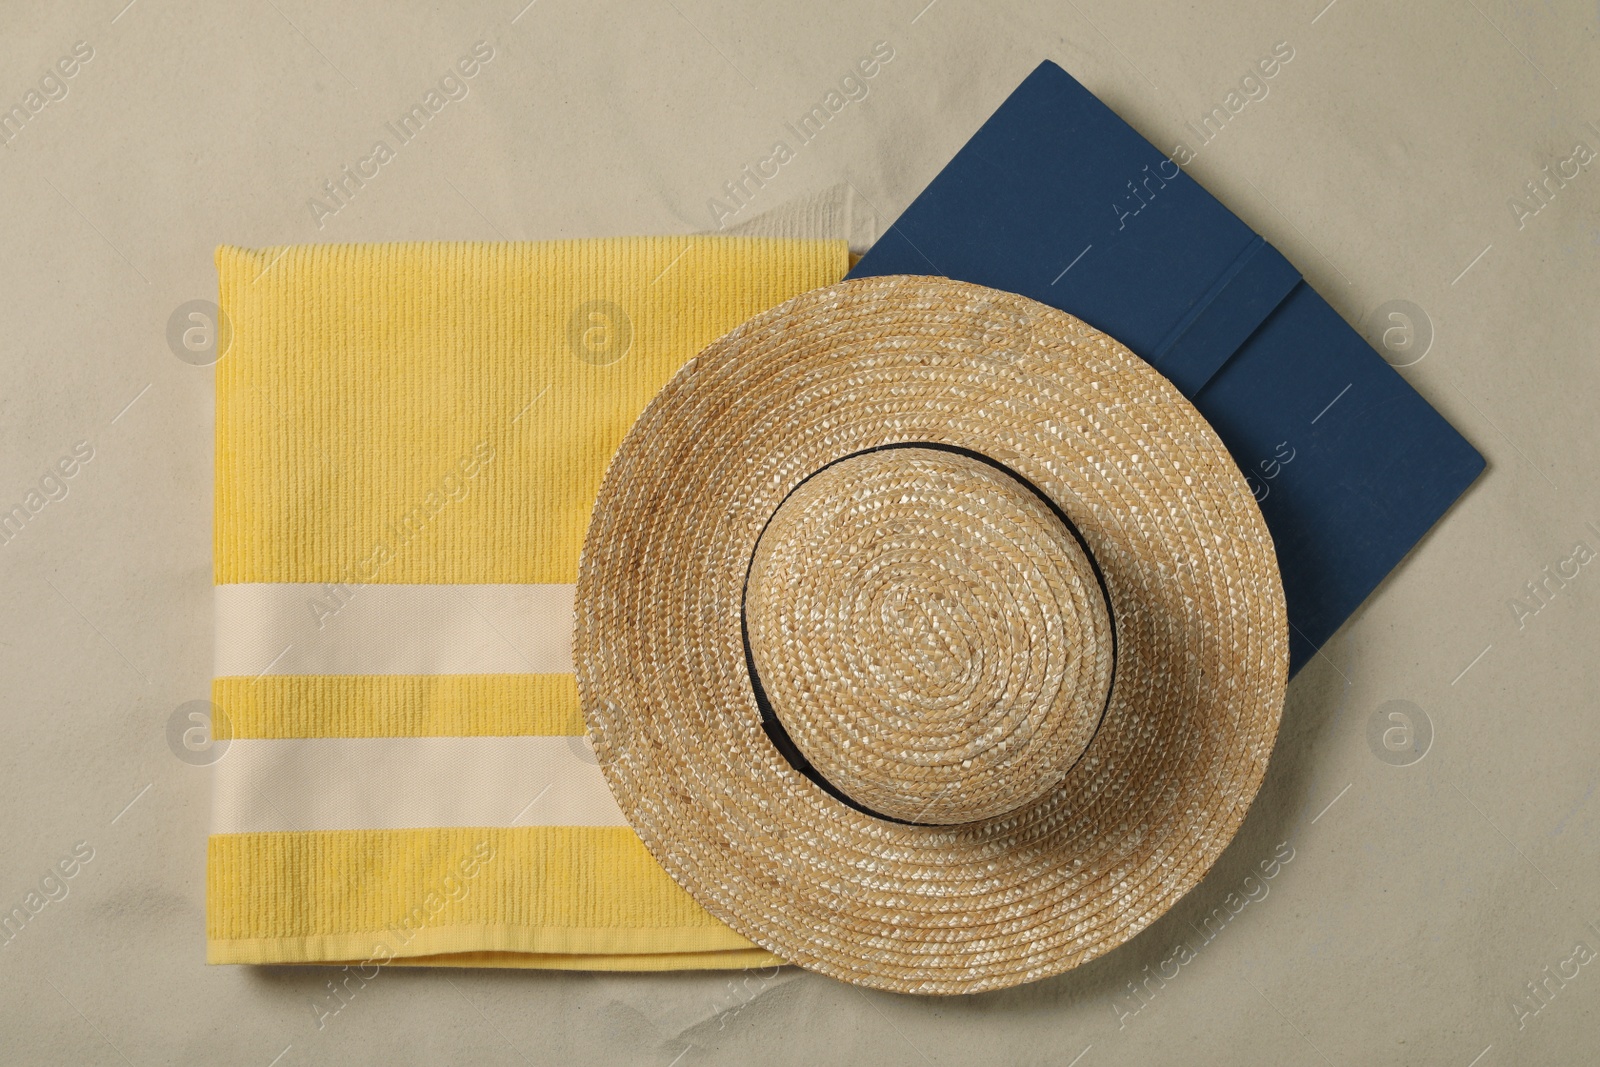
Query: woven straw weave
873	496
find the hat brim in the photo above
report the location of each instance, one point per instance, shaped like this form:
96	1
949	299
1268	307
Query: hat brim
1202	650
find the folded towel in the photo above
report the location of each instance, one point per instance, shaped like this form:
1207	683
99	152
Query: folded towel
409	441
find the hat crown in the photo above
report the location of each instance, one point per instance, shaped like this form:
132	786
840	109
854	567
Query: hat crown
930	633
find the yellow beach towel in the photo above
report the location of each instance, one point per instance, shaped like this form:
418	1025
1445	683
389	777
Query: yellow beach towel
409	441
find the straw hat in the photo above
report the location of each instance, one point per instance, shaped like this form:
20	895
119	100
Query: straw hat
928	637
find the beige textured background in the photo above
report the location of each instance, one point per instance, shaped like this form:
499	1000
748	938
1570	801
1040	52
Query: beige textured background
1420	899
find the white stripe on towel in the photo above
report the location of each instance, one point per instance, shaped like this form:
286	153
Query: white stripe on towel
395	783
311	628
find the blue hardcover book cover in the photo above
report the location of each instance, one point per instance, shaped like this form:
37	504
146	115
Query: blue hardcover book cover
1058	199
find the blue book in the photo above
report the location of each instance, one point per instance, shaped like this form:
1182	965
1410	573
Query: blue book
1058	199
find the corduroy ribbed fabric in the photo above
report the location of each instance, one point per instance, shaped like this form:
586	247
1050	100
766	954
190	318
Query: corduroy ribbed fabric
441	415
